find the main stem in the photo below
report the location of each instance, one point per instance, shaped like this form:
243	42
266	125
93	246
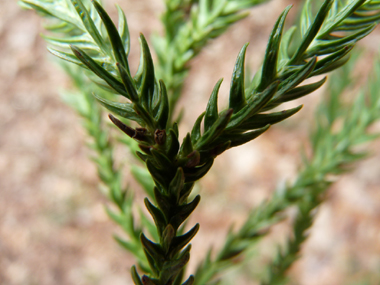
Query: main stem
174	178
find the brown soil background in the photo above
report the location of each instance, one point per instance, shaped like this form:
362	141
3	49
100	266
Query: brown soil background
53	229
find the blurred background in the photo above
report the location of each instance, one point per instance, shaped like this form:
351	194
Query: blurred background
53	228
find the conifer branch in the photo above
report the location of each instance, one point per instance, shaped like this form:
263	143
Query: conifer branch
174	167
284	259
332	154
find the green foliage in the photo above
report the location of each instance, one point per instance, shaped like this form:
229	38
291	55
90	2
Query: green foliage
108	172
91	40
333	152
189	25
